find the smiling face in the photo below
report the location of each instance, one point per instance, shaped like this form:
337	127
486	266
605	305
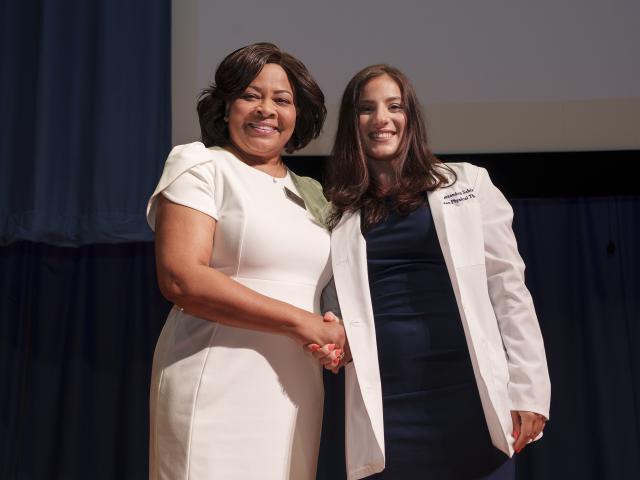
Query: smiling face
262	120
381	119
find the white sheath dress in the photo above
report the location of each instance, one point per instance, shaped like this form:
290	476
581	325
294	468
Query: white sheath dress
229	403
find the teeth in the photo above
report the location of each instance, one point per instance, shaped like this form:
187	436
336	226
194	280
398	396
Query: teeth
382	135
262	128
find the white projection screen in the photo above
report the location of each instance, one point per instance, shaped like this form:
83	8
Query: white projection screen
493	76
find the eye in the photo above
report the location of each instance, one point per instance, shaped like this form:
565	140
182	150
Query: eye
283	101
365	109
249	96
396	107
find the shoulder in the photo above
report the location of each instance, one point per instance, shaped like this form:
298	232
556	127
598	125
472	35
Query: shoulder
184	157
193	163
209	163
187	179
475	182
466	174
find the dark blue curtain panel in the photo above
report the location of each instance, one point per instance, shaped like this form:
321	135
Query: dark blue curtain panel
85	119
583	269
78	328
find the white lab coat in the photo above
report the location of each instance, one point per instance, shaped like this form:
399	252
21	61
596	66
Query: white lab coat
473	222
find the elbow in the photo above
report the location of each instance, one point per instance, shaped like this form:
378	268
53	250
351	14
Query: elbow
174	288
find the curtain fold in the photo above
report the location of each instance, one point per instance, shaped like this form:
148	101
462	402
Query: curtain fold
583	271
85	124
77	333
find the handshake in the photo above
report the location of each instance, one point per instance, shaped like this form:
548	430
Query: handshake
333	356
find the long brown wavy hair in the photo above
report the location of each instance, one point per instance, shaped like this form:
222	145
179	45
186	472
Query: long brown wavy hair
349	184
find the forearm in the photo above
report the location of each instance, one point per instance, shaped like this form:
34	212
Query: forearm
521	336
209	294
529	387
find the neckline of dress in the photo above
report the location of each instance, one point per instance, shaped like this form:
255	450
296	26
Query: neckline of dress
256	170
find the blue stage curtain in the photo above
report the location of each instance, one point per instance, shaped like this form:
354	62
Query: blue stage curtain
78	327
85	118
583	269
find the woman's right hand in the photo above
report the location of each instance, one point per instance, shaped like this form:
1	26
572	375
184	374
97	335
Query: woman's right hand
328	332
332	356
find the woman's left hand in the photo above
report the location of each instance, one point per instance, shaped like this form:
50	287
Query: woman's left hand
527	426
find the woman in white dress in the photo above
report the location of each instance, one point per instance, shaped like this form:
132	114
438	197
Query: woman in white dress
243	254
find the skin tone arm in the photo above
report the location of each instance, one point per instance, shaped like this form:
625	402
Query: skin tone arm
183	249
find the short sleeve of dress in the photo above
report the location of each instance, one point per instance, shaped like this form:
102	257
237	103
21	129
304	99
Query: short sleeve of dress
194	189
188	180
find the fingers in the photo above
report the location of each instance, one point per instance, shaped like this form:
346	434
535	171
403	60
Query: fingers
326	350
527	427
344	357
331	356
518	435
332	360
515	419
328	355
330	317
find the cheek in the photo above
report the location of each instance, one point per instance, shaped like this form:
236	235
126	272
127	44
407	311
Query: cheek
290	119
362	128
235	117
400	127
234	129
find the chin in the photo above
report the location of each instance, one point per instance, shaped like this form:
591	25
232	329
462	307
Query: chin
384	155
264	147
265	152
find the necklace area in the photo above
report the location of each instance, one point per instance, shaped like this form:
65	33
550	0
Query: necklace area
275	179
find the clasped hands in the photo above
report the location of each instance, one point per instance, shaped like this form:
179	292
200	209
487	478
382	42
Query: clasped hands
332	356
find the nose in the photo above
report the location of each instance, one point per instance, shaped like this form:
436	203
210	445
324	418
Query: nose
265	108
380	117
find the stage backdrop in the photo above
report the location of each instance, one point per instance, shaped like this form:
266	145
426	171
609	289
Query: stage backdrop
85	118
495	75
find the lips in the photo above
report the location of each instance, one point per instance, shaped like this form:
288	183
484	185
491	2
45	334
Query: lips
263	128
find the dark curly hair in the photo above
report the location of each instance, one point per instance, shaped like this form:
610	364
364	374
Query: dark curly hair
349	183
233	76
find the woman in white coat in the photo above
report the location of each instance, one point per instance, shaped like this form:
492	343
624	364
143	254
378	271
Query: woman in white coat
448	376
242	252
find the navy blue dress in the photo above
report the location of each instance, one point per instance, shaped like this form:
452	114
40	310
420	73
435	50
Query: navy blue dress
433	421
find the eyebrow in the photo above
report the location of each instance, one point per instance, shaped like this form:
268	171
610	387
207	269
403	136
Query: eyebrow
389	99
277	91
